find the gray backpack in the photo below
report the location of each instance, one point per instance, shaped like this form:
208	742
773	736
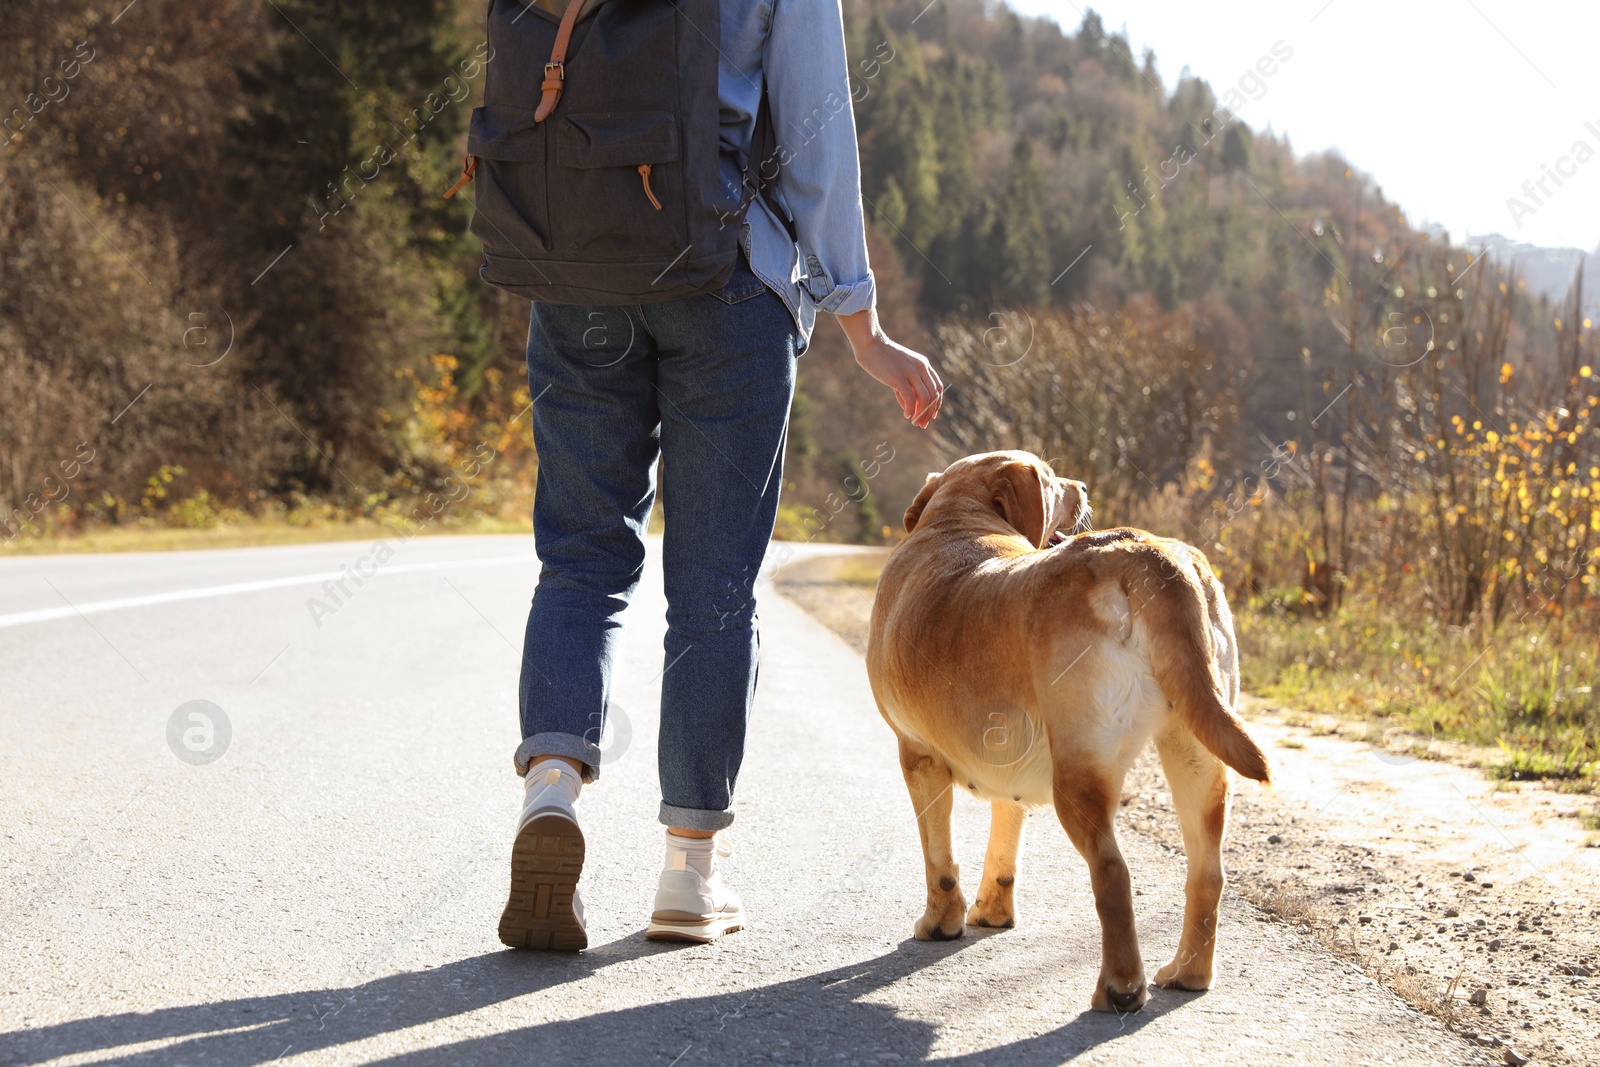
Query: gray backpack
595	153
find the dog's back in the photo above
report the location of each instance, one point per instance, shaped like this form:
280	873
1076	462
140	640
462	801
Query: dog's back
963	642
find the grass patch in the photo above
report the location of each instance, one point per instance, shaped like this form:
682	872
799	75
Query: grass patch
1530	765
1526	689
862	571
1290	904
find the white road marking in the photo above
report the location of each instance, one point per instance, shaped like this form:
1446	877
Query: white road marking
22	618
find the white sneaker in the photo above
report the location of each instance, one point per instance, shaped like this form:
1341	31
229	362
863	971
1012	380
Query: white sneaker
544	910
693	903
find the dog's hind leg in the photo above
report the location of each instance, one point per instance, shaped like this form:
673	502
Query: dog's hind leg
995	905
932	789
1199	784
1086	803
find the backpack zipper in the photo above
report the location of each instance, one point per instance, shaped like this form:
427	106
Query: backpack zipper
644	174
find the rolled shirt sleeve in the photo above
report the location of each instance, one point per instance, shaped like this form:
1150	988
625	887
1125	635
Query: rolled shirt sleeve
808	85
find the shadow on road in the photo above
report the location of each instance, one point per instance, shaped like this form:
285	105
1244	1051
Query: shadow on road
827	1017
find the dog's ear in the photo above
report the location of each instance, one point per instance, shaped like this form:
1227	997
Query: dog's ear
1018	489
914	512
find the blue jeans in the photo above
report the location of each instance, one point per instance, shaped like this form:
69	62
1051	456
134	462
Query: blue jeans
704	382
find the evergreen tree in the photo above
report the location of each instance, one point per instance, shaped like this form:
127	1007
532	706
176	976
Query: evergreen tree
1236	147
356	118
1021	244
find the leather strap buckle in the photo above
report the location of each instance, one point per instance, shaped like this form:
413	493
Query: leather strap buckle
555	71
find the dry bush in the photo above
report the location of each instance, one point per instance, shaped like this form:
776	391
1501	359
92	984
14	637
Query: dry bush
1124	400
478	453
119	392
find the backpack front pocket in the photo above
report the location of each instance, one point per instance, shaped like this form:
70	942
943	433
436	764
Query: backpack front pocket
616	187
513	197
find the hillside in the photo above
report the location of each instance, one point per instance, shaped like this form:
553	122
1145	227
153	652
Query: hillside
229	275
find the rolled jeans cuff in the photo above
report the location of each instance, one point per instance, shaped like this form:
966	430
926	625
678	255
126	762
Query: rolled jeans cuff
556	744
695	818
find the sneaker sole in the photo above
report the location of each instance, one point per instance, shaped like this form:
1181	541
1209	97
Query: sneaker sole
546	860
689	930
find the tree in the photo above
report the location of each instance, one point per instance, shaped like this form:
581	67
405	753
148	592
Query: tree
1019	242
1236	147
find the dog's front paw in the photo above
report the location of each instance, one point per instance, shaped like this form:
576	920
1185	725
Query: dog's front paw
1108	999
1181	975
942	920
993	909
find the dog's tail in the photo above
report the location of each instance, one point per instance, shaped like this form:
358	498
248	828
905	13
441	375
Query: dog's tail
1183	657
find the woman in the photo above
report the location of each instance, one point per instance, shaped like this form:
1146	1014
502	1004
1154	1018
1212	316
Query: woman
705	382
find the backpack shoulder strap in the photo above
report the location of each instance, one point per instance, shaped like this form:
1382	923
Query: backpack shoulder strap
555	71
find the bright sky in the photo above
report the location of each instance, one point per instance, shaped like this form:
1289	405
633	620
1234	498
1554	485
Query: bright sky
1451	105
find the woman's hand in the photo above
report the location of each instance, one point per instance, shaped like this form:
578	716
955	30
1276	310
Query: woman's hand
916	384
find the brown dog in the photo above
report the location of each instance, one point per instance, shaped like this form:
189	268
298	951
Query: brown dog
1035	675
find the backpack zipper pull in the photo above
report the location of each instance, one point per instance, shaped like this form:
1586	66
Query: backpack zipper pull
644	173
469	167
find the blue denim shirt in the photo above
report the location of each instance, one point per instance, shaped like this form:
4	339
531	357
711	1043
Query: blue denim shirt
798	45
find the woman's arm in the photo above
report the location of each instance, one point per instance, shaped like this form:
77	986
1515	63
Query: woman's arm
808	85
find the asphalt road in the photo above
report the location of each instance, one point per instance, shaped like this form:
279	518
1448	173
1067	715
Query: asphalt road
326	889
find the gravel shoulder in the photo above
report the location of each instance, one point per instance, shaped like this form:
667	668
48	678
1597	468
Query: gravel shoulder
1476	901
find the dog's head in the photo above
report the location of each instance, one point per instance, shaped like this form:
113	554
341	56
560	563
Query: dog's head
1018	486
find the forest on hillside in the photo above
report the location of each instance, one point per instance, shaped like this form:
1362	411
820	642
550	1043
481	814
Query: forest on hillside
229	285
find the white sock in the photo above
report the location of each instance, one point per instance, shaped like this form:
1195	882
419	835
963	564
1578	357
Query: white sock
551	781
691	853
